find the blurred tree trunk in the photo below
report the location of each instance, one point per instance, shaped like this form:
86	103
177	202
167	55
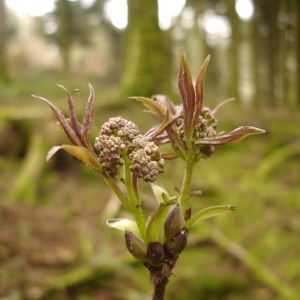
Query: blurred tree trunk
234	51
147	61
288	51
63	34
255	59
269	13
3	59
282	86
296	5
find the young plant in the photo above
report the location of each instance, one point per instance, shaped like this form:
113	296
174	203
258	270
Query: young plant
123	156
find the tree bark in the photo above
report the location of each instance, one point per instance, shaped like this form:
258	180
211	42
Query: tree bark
147	59
64	34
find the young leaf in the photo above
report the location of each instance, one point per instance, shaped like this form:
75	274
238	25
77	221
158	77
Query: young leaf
207	213
123	225
154	106
81	153
159	191
231	137
155	232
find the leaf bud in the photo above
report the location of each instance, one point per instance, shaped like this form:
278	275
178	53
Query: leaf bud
179	241
155	254
174	222
136	246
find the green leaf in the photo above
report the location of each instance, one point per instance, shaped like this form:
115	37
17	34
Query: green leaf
155	230
123	225
159	191
207	213
81	153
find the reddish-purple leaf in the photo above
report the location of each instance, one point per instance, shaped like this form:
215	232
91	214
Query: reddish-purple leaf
187	92
72	113
199	92
62	120
88	116
231	137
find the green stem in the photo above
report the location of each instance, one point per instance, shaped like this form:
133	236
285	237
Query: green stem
140	221
131	190
190	160
136	209
185	188
116	189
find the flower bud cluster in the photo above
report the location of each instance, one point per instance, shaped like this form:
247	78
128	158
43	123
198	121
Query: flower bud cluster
119	137
205	127
147	160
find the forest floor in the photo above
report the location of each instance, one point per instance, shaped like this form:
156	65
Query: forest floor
54	243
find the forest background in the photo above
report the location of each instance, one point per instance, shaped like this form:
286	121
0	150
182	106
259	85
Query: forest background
53	239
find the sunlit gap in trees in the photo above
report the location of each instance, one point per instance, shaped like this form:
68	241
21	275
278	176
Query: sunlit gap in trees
117	11
244	9
212	21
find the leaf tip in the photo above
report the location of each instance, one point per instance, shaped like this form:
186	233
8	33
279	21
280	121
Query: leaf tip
233	207
51	152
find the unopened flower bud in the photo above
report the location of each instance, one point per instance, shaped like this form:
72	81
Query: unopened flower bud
121	127
147	162
118	135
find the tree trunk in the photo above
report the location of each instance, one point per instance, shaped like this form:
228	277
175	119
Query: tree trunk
64	33
147	59
255	60
296	5
269	12
3	66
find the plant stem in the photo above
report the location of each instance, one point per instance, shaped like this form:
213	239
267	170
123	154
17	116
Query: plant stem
131	191
133	198
135	210
185	188
116	189
160	278
159	290
140	221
